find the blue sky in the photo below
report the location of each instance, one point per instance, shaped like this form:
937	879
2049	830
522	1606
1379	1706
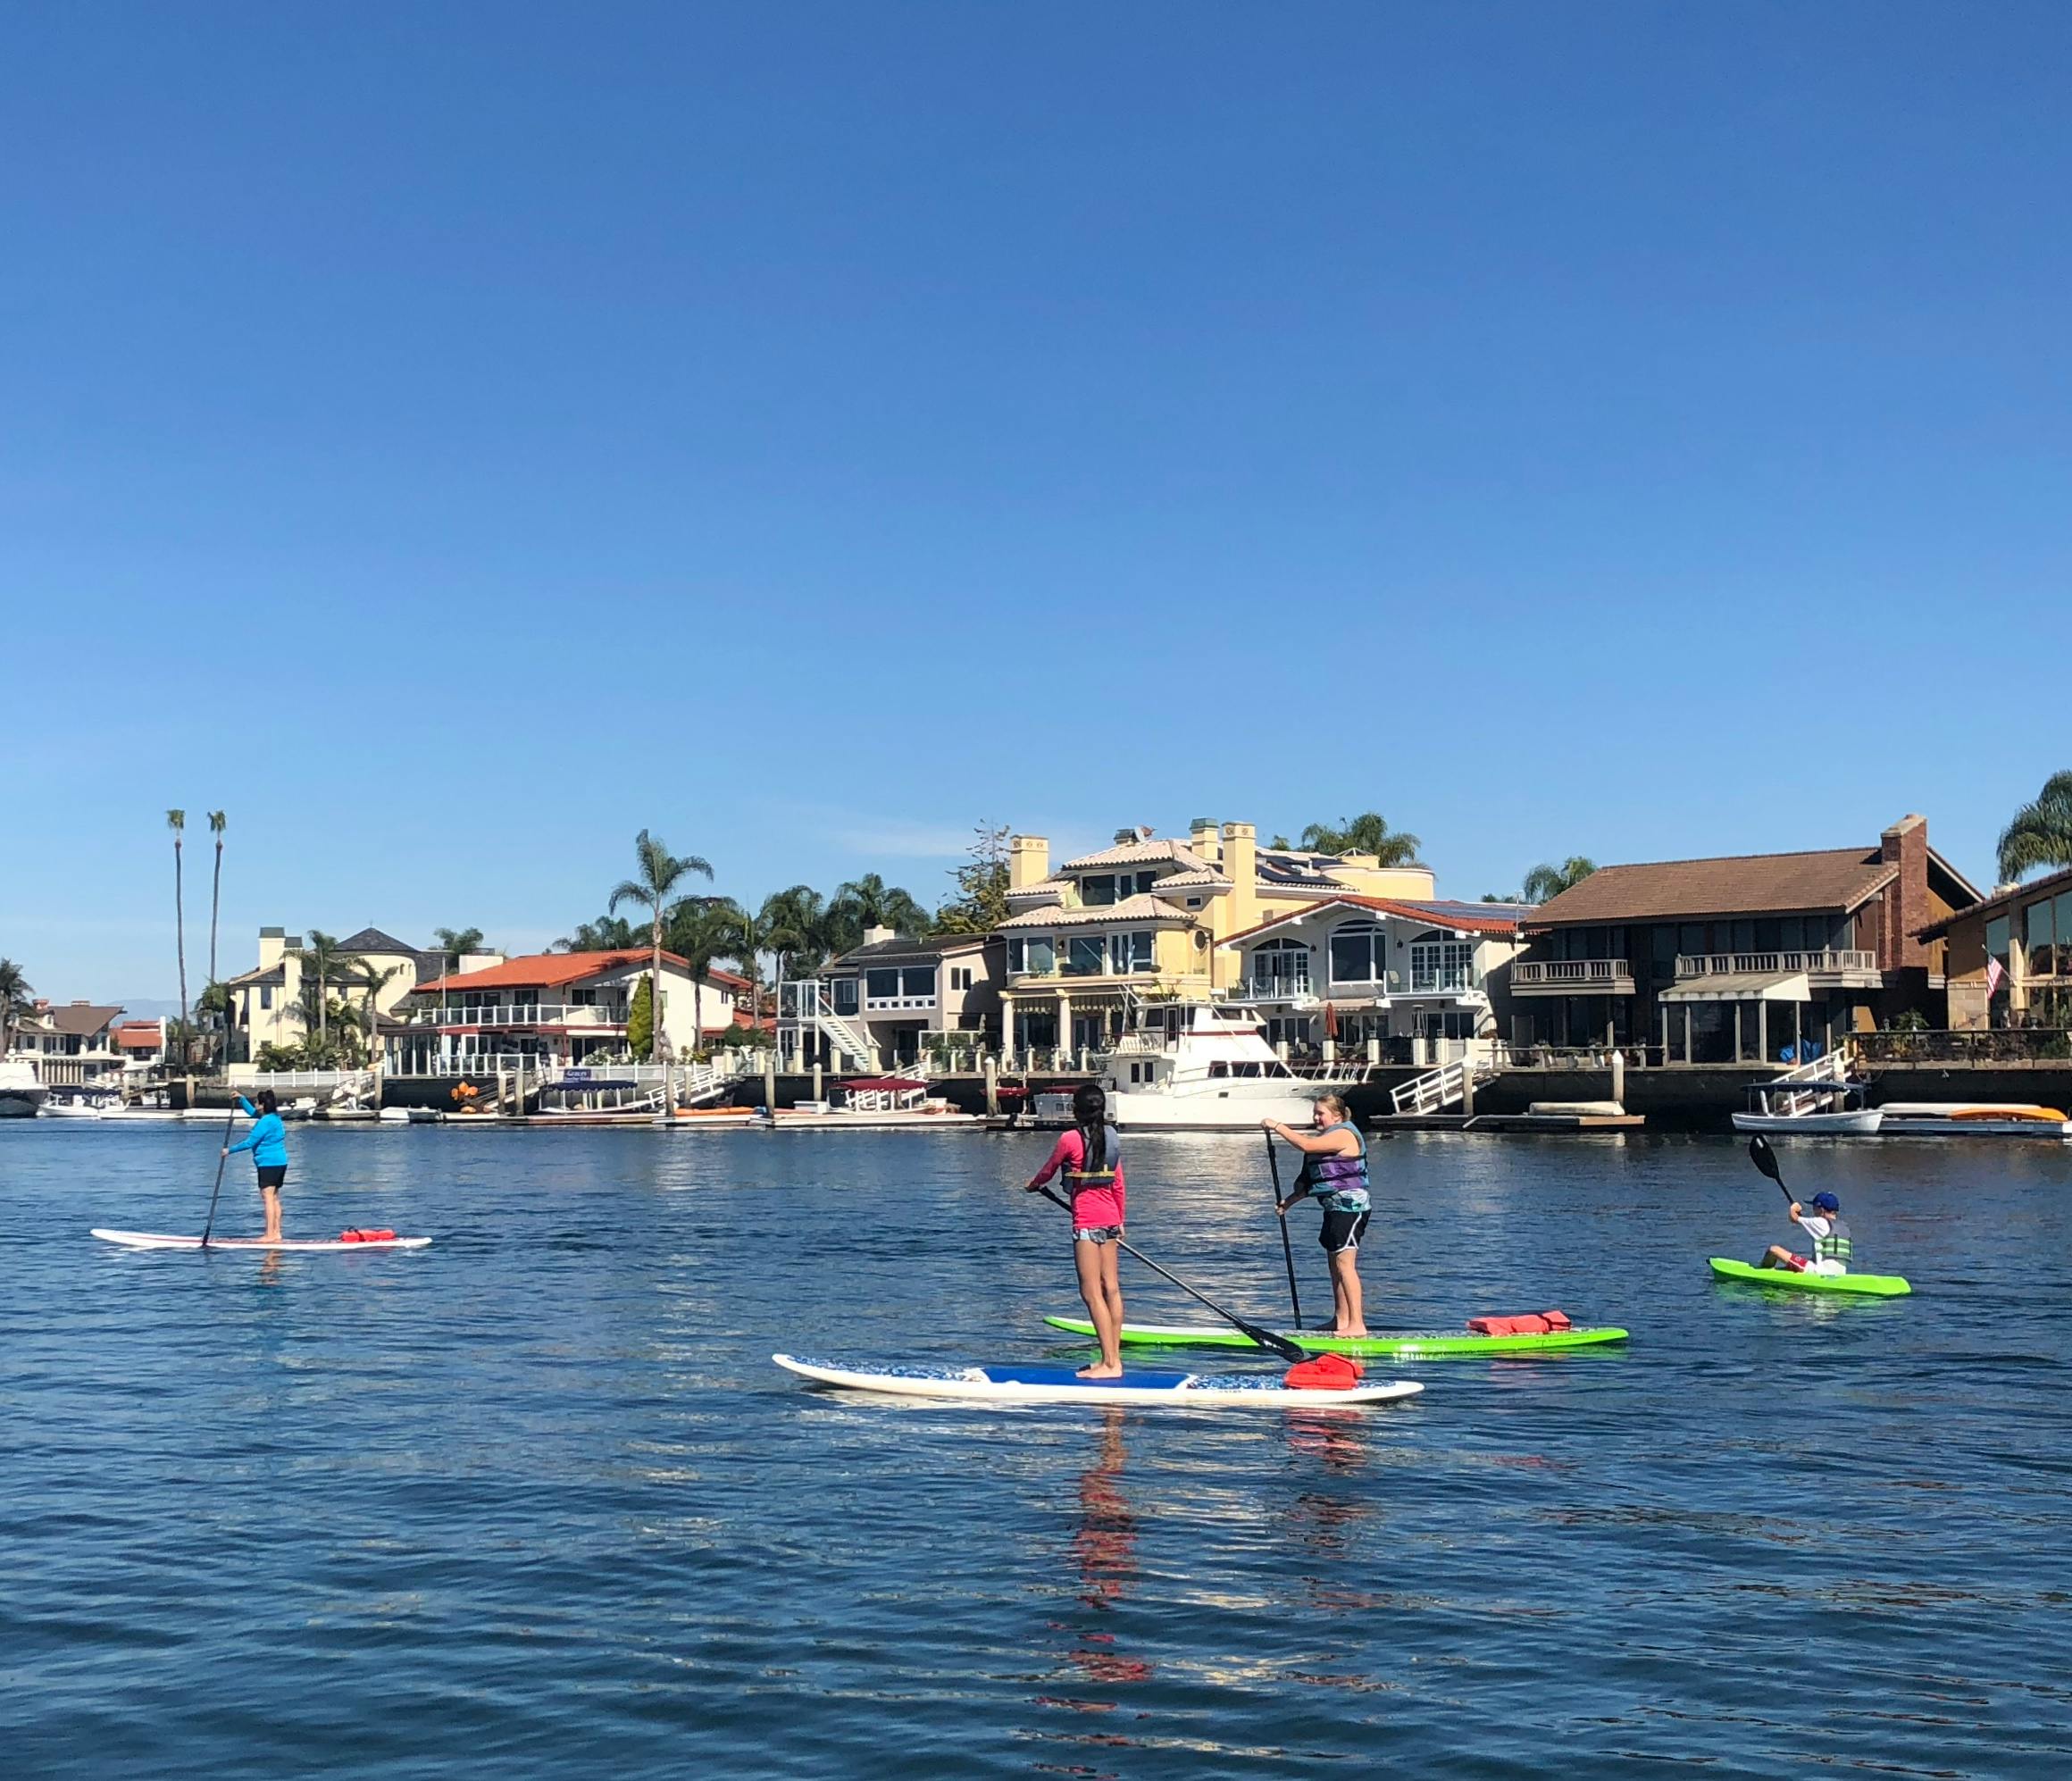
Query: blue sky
450	438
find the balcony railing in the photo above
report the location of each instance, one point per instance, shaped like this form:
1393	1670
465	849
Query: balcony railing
1580	973
1278	987
1827	962
601	1015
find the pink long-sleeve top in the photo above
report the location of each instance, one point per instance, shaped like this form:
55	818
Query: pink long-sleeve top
1094	1203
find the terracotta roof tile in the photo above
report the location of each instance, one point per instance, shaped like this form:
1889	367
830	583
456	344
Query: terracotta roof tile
555	970
1142	908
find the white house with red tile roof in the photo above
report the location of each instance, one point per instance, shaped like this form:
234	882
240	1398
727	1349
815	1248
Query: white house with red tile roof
1419	977
553	1008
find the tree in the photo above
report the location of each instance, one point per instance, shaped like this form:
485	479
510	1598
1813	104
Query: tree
608	933
1544	882
2041	833
659	872
176	820
16	1001
453	943
640	1019
744	938
697	934
869	902
218	822
371	980
981	904
320	960
1367	832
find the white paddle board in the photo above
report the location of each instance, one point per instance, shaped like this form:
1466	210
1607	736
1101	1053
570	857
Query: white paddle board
153	1240
1062	1386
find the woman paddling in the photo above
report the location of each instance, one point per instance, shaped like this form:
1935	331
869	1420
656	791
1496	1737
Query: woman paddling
269	1146
1091	1154
1335	1171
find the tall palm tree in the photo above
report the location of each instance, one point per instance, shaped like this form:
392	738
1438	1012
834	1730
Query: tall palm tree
454	943
320	960
16	1001
1544	882
218	822
698	934
1367	832
176	820
660	871
869	902
2041	833
608	933
745	937
371	980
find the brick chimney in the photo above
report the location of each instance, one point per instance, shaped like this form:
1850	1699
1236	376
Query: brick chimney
1905	899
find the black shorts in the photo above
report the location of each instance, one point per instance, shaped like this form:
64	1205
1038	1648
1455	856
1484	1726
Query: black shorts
272	1175
1342	1231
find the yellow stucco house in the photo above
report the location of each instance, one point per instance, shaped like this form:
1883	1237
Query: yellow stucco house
1099	943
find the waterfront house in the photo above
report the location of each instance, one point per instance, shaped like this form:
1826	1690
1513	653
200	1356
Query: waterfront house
268	1002
2010	956
68	1044
141	1046
552	1009
1130	933
1406	982
894	990
1763	957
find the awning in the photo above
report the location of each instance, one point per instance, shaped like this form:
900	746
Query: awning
1741	986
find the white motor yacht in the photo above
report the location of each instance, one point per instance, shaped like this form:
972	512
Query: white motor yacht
20	1093
1215	1073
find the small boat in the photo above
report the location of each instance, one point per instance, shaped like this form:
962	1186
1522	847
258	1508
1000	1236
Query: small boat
1063	1385
1865	1286
1399	1345
707	1118
1973	1119
1823	1109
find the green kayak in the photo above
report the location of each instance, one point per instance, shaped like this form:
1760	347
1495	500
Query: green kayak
1871	1285
1404	1344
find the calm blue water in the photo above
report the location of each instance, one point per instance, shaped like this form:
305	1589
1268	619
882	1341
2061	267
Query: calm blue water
535	1498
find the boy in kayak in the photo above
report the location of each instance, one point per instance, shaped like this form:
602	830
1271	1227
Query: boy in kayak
1334	1170
1090	1156
1830	1240
269	1146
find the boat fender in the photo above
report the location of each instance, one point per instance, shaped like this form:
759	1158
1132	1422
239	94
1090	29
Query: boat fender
1325	1372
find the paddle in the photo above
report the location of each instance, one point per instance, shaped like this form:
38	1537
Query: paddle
1287	1249
1268	1339
221	1159
1765	1159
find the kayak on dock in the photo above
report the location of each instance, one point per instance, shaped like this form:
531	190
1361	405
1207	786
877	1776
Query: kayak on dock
345	1241
1063	1385
1867	1285
1399	1345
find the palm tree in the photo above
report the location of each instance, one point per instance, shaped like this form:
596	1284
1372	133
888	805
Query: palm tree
744	938
660	873
369	979
453	943
1367	832
320	957
218	822
16	993
869	902
698	934
176	820
1545	882
2041	833
608	933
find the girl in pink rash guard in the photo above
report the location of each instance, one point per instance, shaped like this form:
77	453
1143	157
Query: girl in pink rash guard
1090	1157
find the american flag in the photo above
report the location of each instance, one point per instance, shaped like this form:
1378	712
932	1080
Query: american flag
1994	976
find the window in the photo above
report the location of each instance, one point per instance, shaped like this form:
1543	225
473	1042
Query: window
918	980
1194	902
883	985
1086	955
1438	968
265	995
1145	880
1099	890
1359	953
960	976
2042	939
845	995
1131	952
2064	902
1791	934
1037	957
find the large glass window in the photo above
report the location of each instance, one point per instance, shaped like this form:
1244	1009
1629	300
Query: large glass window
2042	939
1791	934
881	984
918	980
1085	956
1439	967
1131	952
1359	953
2064	902
1996	938
845	995
1099	890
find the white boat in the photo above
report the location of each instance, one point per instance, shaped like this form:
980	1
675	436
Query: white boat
870	1103
1215	1074
1796	1108
20	1093
1973	1119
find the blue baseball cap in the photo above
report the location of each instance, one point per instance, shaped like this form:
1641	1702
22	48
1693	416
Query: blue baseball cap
1826	1202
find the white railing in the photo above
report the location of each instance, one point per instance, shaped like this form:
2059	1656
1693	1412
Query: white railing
1280	987
301	1081
1581	972
517	1013
1827	961
1436	981
1438	1089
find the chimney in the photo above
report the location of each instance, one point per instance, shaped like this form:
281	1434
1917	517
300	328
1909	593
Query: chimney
272	943
1240	864
1203	837
878	936
1028	861
1906	846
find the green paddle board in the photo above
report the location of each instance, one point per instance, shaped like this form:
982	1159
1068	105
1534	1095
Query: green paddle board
1403	1344
1870	1285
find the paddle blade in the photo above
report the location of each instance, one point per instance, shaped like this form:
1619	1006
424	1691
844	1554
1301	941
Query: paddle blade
1764	1158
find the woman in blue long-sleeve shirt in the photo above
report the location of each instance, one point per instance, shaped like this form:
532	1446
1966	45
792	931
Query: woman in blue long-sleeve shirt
269	1146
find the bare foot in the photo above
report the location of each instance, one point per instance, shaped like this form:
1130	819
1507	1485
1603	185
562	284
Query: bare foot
1099	1371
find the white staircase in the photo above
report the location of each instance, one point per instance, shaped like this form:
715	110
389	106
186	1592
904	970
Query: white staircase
1437	1090
701	1083
803	1008
1821	1078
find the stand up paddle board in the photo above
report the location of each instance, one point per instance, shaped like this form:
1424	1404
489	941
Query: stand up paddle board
153	1239
1063	1385
1400	1345
1871	1285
